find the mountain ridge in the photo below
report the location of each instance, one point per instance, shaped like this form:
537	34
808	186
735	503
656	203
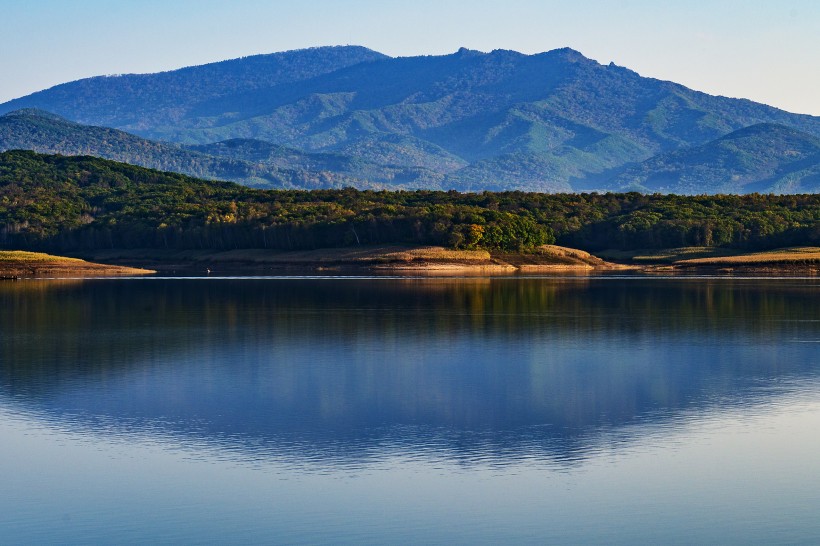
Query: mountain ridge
551	121
765	157
178	81
44	132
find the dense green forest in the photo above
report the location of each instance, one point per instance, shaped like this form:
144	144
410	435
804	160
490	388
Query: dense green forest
58	203
765	158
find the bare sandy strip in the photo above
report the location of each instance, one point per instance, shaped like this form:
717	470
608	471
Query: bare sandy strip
20	264
400	259
436	260
797	256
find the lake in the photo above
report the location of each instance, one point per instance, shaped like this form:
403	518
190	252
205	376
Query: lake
383	410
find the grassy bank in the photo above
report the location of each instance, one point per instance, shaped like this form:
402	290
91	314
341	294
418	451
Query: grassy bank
777	261
22	264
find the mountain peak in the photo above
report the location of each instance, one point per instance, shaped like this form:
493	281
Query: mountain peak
463	52
337	51
761	129
464	120
569	54
34	113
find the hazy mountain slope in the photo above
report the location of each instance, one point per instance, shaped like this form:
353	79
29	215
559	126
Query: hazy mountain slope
47	133
287	168
402	149
474	117
142	101
357	170
761	158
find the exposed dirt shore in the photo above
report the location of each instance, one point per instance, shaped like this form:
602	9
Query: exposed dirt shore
789	261
20	264
398	260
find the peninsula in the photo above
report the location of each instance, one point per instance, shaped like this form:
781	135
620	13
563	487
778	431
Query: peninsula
21	265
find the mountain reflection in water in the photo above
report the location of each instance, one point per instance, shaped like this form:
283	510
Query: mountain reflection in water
345	371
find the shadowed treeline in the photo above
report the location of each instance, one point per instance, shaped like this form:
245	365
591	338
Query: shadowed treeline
334	370
74	204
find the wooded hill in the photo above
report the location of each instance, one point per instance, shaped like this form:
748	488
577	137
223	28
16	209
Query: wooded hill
249	162
69	204
764	158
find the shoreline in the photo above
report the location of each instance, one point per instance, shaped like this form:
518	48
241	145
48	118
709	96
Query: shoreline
389	260
16	265
396	260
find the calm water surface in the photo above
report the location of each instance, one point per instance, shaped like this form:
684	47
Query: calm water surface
384	410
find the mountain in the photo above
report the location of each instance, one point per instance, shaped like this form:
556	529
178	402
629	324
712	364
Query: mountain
765	158
355	169
252	163
134	101
553	121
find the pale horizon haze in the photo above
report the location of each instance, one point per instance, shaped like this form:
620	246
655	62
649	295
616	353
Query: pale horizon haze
763	51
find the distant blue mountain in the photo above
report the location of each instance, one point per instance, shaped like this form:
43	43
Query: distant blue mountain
554	121
764	158
249	162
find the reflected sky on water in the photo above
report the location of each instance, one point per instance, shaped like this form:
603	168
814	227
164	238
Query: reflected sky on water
464	410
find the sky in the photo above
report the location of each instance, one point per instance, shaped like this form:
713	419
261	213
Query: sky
767	51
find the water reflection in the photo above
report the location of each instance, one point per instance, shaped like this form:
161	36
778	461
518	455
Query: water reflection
345	372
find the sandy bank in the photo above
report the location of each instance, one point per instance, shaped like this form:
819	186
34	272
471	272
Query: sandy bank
708	260
430	260
25	265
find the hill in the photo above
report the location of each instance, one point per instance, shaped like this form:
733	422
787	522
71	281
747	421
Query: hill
766	158
252	163
553	121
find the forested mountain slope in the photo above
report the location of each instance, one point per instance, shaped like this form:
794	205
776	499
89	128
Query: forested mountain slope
764	158
252	163
554	121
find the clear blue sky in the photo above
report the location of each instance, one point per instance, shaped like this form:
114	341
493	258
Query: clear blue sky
768	51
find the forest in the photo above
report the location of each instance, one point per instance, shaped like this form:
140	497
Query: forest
68	204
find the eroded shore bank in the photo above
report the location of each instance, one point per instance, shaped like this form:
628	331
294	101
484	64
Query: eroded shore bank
26	265
398	260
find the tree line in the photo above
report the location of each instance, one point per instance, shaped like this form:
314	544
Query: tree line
57	203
